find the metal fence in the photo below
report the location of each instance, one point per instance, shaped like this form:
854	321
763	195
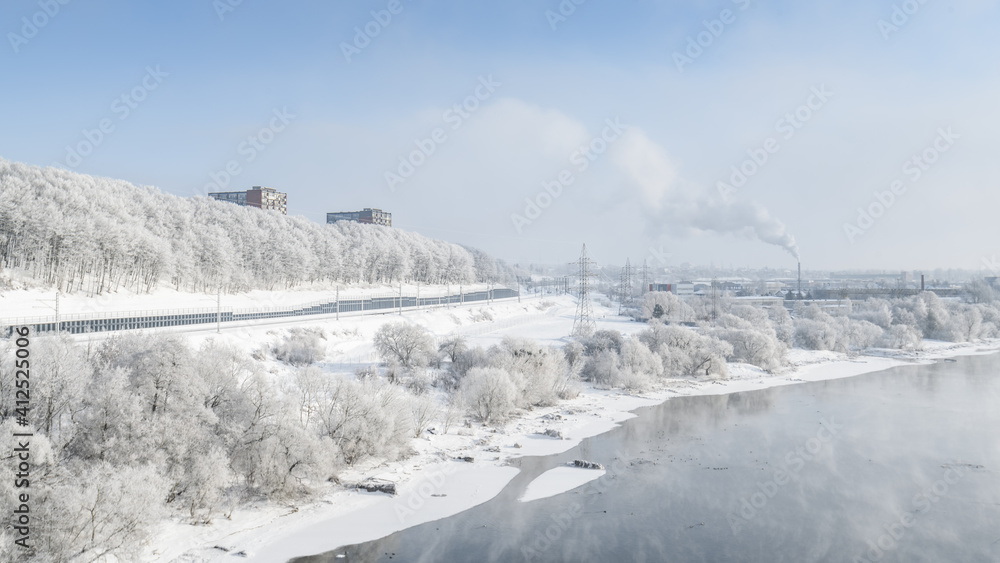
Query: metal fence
102	322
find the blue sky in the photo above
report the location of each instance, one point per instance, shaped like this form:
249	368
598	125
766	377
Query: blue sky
654	191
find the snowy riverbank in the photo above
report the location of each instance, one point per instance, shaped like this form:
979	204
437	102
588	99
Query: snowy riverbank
436	482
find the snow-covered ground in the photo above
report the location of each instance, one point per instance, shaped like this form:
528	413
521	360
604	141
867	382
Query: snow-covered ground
439	480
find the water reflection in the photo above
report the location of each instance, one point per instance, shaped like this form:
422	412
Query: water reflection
900	465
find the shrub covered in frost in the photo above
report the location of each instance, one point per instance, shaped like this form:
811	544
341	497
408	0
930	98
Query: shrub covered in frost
405	344
490	394
300	346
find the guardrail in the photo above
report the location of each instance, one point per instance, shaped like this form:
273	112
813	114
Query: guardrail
80	323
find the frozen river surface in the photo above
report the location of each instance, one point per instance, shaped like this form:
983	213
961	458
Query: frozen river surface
899	465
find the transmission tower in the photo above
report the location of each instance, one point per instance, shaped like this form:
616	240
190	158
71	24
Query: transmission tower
583	324
626	288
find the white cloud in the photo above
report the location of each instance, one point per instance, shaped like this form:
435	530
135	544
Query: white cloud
647	165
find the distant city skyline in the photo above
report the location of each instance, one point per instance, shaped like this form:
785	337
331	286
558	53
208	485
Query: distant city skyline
859	134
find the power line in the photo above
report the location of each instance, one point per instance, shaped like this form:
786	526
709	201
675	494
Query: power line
583	324
625	300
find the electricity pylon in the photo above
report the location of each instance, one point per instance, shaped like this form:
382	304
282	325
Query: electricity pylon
625	300
583	324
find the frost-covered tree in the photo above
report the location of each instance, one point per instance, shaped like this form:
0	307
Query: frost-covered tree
670	305
300	346
207	469
113	425
603	340
685	352
82	233
901	336
814	334
406	344
938	323
601	368
980	291
575	355
967	323
156	365
638	366
546	375
424	411
784	327
62	373
365	419
707	307
861	334
469	358
875	311
452	347
490	394
96	512
758	347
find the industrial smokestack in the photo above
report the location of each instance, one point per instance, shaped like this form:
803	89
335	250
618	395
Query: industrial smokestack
921	282
800	280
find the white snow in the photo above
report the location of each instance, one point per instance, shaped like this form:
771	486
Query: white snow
442	490
276	532
559	480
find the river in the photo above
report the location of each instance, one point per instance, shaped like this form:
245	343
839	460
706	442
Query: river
897	465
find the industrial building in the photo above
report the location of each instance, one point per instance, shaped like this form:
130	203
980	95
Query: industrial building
679	288
368	215
259	197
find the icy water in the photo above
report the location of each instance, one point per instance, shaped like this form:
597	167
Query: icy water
899	465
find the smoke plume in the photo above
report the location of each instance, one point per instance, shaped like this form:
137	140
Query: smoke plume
683	209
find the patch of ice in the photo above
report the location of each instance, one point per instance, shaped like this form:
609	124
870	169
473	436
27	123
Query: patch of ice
559	480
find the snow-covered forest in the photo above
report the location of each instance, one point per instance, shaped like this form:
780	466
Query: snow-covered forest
142	427
760	336
89	234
